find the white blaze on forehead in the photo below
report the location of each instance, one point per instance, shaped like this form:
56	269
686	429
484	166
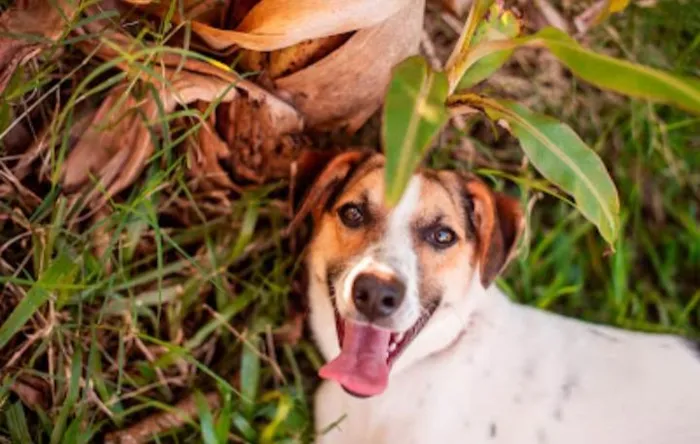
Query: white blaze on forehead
398	230
393	254
397	251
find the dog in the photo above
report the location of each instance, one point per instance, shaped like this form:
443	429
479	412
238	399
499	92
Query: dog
421	347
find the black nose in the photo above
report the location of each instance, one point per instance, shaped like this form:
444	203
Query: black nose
376	296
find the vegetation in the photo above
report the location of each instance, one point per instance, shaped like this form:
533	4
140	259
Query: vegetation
160	299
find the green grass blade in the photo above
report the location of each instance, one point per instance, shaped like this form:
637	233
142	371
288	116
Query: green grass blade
206	420
16	422
69	403
250	376
59	273
414	112
284	407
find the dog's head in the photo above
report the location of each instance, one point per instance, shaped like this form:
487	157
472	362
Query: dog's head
387	282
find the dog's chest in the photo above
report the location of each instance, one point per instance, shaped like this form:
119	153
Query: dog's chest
437	401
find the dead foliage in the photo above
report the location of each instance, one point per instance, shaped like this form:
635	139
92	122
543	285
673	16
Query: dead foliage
235	102
28	28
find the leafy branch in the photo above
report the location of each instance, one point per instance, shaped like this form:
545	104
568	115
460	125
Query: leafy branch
490	36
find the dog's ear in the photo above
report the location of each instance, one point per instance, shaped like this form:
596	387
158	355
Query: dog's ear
498	222
319	175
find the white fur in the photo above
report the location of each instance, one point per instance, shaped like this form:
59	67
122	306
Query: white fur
486	370
518	375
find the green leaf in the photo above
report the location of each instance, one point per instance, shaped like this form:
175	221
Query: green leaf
61	272
455	63
619	75
501	24
563	158
603	71
414	112
250	376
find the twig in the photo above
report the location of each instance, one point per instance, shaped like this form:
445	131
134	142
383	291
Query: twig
275	367
184	412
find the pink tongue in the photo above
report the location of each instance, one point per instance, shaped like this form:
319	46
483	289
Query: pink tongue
361	366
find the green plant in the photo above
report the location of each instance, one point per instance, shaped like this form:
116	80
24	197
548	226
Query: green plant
420	100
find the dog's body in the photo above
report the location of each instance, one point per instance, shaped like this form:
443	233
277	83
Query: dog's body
440	355
522	376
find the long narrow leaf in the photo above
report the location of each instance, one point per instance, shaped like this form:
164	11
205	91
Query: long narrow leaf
603	71
563	158
61	272
414	112
206	420
454	67
618	75
501	24
250	376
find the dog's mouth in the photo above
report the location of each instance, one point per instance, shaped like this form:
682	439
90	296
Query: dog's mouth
368	353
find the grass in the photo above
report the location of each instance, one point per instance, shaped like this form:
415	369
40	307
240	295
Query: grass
178	296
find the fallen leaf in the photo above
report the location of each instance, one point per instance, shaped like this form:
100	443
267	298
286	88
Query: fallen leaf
347	87
27	29
32	390
292	59
43	140
332	82
121	126
276	24
204	151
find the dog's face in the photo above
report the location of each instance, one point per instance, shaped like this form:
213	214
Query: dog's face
386	279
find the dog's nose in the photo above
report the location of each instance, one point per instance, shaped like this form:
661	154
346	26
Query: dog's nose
377	297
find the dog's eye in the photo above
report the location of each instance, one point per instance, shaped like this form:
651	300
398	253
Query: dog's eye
441	237
351	215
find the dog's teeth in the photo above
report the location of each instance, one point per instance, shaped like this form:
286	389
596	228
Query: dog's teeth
399	337
392	347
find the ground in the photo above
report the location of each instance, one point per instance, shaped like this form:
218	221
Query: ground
168	293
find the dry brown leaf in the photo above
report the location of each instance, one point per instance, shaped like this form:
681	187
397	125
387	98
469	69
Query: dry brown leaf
289	60
255	155
347	87
32	391
42	141
117	145
276	24
29	28
204	152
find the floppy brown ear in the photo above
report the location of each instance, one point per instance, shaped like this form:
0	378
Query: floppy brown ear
498	223
319	175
